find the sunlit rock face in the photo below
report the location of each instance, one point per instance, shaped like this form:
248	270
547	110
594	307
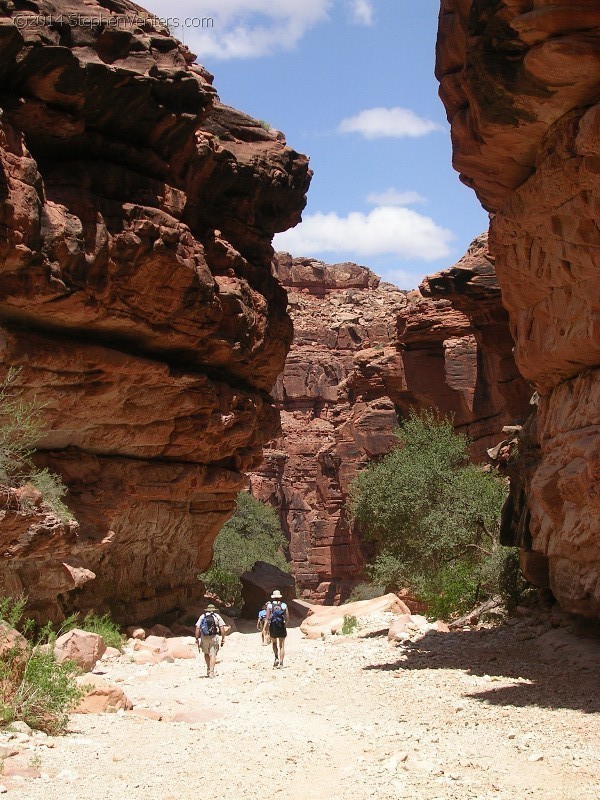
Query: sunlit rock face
364	354
520	84
136	298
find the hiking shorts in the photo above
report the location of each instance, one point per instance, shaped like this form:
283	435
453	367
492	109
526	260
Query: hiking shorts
210	645
277	631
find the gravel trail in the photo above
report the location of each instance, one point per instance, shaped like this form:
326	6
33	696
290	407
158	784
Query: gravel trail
473	714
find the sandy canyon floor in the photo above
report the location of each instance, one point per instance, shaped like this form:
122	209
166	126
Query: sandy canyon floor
490	714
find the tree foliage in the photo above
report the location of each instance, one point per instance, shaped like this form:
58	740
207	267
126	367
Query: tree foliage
435	516
252	534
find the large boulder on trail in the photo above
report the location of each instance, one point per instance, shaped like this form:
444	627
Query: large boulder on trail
82	647
326	620
260	582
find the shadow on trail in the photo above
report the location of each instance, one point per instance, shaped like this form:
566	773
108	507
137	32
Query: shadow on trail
551	682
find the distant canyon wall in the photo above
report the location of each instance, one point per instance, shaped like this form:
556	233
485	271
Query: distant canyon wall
521	84
365	353
136	301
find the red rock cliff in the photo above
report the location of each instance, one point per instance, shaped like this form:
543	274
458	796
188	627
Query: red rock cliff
354	370
521	85
136	297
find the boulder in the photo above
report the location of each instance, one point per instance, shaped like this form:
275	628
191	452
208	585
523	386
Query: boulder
153	644
100	696
10	639
324	620
182	648
82	647
259	583
136	633
159	630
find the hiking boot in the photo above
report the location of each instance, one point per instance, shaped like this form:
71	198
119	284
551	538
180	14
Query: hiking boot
276	664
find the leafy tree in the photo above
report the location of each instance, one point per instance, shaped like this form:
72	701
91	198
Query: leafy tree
252	534
435	517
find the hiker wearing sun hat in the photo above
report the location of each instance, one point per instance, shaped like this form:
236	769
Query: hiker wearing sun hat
210	635
276	623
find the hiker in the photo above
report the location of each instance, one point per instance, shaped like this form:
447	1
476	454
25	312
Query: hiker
276	622
209	628
260	624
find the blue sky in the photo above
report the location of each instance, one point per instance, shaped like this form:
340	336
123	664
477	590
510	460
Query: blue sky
351	84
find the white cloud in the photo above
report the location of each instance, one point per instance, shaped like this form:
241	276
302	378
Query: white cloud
376	123
242	28
361	12
392	197
386	230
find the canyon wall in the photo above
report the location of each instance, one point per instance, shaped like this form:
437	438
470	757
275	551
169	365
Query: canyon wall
365	353
136	301
521	84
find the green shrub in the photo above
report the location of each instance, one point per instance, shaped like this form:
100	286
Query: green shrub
349	625
53	490
21	428
252	534
33	687
365	591
102	625
434	517
37	690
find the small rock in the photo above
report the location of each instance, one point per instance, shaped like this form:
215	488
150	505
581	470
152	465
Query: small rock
21	727
67	775
136	633
535	757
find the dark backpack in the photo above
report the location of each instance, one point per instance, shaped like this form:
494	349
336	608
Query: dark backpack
277	616
208	625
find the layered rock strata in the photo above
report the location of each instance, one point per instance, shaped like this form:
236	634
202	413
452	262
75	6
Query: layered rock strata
136	298
521	85
364	354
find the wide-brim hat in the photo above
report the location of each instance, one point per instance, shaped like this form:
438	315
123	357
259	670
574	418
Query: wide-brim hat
276	595
210	607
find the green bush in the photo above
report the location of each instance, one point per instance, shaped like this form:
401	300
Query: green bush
349	625
53	490
33	687
37	690
434	517
102	625
252	534
365	591
21	428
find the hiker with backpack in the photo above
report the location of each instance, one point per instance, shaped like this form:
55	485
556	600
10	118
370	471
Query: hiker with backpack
260	624
276	624
210	628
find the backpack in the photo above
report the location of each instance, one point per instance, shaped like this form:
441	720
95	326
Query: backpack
277	616
208	625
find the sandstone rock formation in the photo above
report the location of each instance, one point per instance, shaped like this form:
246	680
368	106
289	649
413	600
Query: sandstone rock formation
327	620
520	84
364	354
136	298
